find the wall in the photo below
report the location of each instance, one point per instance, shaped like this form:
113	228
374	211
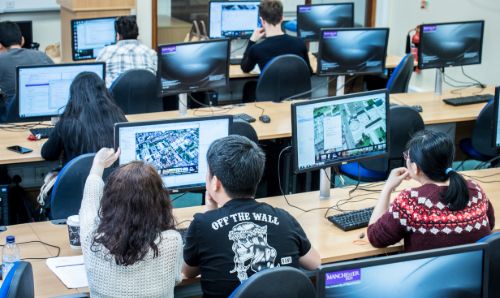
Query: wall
403	15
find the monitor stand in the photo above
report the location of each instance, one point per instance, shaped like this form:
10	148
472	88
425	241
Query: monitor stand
183	101
438	85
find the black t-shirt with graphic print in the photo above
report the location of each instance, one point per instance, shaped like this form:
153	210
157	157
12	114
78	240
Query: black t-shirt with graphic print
243	237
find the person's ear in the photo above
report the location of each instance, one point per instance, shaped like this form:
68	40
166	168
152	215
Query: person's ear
22	41
118	37
2	48
216	185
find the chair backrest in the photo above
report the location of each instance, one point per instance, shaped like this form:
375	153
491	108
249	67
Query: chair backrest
493	241
282	77
244	128
279	282
19	282
67	192
404	122
482	136
400	78
136	91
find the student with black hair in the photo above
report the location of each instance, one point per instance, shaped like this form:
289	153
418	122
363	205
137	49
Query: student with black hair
128	52
12	54
445	210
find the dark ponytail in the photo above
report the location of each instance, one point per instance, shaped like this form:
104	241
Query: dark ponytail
433	152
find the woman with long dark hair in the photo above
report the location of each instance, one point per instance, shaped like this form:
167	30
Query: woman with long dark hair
444	210
87	122
127	231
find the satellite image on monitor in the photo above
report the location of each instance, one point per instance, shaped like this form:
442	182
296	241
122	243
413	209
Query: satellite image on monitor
172	152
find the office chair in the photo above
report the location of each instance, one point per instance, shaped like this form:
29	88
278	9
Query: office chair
400	78
282	77
404	122
493	241
244	128
480	145
19	282
136	91
279	282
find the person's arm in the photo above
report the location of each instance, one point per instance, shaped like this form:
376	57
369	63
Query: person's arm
305	53
54	146
190	268
311	260
491	214
189	271
248	62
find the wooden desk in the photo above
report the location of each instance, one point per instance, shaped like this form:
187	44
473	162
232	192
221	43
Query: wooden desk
332	243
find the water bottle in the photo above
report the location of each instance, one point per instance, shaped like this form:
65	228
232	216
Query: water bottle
10	255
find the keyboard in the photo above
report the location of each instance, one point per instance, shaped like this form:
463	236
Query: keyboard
244	117
235	61
43	132
352	220
468	100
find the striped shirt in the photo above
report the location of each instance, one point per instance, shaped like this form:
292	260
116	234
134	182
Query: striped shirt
125	55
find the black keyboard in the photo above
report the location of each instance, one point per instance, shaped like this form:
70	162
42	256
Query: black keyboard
244	117
183	233
235	61
352	220
468	100
43	132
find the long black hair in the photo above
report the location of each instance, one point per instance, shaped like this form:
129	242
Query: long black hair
89	117
433	152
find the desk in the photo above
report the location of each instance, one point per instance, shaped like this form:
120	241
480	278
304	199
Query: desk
332	244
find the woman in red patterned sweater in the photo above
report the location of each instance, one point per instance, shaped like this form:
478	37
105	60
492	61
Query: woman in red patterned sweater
445	210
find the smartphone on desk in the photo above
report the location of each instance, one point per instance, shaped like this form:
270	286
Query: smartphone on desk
19	149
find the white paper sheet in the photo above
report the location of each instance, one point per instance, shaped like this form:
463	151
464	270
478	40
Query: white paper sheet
70	270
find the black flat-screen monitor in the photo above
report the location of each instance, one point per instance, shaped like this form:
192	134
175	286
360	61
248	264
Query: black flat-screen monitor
352	51
458	271
312	18
43	90
450	44
233	19
90	36
26	28
335	130
177	148
193	66
496	129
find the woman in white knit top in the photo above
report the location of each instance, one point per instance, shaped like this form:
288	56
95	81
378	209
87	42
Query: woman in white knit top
129	244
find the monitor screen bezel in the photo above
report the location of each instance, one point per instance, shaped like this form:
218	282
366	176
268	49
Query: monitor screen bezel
321	4
225	37
73	42
410	256
339	161
421	65
119	125
496	118
161	92
330	73
44	117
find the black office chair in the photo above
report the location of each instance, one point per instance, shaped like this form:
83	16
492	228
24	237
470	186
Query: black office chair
136	91
404	122
400	78
279	282
493	241
19	282
244	128
480	145
282	77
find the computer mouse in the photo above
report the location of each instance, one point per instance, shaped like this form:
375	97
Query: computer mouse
418	108
265	118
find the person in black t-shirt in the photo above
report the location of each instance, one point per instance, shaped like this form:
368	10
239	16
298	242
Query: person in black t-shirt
238	236
276	42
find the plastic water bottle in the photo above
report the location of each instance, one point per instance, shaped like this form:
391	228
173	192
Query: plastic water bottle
10	255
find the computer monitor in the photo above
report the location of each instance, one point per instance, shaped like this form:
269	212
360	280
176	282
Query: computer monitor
458	271
177	148
312	18
90	36
26	28
334	130
352	51
233	19
43	90
194	66
450	44
496	129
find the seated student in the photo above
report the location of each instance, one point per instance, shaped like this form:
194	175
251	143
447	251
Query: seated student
12	55
128	53
445	210
276	42
87	123
129	244
238	236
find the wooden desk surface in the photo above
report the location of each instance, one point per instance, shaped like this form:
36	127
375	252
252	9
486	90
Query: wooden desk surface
435	111
332	243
